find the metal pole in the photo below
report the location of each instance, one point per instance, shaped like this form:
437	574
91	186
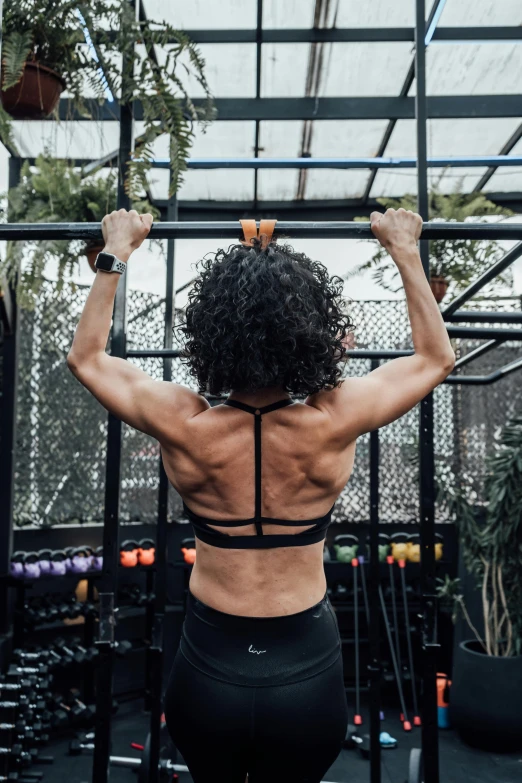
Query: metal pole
155	656
374	666
109	579
430	747
296	229
11	341
259	33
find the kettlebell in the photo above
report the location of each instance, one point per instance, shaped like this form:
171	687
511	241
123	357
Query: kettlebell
346	547
400	546
129	553
188	549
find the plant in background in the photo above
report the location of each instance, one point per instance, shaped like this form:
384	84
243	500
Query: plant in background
458	262
91	47
54	191
492	551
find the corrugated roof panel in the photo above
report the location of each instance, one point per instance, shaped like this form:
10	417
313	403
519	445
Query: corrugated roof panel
291	14
280	139
355	69
378	13
476	13
283	70
203	14
359	69
453	137
328	184
507	180
473	69
394	182
66	139
206	185
346	138
277	184
230	70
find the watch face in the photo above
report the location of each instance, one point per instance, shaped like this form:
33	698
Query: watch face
104	262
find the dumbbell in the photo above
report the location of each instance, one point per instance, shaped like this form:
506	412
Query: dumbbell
121	648
68	654
15	756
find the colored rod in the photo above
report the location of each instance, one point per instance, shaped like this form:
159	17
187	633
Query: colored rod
477	161
305	229
484	333
483	280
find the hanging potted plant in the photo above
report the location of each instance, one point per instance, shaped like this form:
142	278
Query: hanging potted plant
52	45
487	671
53	191
453	264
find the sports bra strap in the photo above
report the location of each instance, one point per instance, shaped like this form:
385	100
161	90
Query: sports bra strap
258	412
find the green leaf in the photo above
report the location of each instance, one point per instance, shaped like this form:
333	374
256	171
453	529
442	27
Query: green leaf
15	51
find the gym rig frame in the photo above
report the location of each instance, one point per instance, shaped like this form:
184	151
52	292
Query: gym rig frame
425	768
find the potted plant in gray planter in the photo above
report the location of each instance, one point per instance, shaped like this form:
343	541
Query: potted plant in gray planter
49	192
486	694
453	264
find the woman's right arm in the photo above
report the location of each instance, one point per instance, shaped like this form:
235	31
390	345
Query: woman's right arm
363	404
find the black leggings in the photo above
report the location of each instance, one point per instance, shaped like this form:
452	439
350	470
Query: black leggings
257	695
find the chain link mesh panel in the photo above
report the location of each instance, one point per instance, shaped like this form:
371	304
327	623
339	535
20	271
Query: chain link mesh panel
61	447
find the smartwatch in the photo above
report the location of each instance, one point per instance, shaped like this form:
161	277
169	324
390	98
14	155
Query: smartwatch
107	262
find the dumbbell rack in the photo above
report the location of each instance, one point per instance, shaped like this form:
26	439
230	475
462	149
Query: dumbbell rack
22	586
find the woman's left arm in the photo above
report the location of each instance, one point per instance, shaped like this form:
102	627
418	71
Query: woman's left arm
154	407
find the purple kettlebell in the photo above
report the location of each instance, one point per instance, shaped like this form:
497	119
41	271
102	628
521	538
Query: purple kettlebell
16	568
58	563
44	561
79	560
31	567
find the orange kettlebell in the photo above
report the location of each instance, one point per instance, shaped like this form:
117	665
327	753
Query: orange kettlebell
129	554
146	552
188	550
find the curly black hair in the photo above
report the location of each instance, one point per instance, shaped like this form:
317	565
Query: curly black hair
260	317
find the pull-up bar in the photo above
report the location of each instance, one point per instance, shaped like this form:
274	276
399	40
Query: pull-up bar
232	230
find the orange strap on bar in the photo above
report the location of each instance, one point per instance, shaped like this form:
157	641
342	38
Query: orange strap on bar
266	230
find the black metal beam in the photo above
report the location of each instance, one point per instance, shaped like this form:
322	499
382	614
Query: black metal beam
223	230
477	333
487	277
354	35
8	422
374	663
485	316
109	578
405	89
341	108
478	351
314	209
484	380
430	746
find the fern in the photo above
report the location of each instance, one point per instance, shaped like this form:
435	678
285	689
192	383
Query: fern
15	51
53	34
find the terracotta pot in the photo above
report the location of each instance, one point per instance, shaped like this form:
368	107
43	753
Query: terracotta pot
91	252
36	94
439	286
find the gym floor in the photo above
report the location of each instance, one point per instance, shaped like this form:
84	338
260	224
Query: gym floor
459	763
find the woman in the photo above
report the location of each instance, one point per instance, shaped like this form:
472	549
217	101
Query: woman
257	684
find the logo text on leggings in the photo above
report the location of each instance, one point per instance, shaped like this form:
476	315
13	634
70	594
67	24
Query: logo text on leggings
253	650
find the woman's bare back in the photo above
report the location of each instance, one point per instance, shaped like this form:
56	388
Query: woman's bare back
304	468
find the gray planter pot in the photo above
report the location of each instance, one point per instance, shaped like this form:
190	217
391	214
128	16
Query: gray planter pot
486	698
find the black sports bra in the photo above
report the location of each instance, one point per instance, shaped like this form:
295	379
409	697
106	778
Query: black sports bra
260	541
